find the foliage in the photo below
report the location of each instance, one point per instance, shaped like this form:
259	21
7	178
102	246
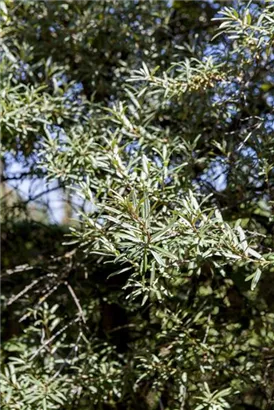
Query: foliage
160	131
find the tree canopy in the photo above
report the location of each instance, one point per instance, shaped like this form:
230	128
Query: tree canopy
154	122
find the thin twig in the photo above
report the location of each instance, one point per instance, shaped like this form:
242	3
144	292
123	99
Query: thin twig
74	348
19	268
76	300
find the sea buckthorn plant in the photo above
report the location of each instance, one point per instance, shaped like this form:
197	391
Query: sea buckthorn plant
154	119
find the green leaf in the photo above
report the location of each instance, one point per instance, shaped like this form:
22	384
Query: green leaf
256	278
157	257
164	252
156	236
243	241
254	253
146	208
